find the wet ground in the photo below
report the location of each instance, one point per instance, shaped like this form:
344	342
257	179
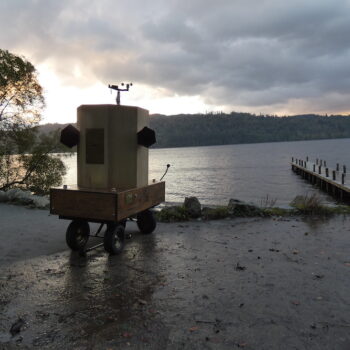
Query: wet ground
244	283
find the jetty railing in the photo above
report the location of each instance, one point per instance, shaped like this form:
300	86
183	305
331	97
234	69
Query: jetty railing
333	181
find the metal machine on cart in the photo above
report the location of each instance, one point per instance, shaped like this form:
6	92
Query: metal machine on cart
112	184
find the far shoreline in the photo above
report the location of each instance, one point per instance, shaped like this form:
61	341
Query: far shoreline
232	144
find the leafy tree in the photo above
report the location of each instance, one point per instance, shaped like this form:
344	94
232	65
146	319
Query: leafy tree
25	156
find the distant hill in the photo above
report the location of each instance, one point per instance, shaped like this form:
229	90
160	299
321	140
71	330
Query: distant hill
221	129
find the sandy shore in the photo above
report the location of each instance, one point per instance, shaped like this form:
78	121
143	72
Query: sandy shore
244	283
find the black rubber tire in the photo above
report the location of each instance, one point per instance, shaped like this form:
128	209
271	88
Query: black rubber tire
77	234
114	239
146	222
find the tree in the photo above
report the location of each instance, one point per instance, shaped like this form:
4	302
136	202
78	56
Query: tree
26	159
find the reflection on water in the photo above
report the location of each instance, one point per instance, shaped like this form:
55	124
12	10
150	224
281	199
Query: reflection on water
248	172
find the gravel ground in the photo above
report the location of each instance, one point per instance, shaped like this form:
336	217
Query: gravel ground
244	283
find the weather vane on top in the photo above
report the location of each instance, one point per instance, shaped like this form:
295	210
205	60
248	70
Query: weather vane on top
116	87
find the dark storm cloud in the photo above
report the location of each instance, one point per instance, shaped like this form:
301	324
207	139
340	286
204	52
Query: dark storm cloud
259	53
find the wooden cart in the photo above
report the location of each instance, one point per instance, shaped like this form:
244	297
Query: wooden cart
107	207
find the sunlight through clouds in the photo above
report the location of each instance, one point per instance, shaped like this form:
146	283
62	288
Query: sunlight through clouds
62	100
186	57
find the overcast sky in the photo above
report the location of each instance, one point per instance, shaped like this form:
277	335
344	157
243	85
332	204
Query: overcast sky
269	56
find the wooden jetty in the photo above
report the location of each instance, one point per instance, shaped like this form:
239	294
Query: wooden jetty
332	181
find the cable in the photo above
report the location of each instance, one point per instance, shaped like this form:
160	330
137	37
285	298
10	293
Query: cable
167	167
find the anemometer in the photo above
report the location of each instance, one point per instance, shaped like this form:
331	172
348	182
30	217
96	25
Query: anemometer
117	88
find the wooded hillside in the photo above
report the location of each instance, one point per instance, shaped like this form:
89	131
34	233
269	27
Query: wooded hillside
220	129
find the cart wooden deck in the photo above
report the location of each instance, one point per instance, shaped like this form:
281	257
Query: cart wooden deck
104	205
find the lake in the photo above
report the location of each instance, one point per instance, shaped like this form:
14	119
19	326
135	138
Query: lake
248	172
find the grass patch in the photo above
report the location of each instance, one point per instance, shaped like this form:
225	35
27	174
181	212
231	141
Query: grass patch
247	210
173	214
311	205
267	202
215	213
301	205
278	212
340	209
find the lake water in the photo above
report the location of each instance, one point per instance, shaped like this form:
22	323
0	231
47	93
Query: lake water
249	172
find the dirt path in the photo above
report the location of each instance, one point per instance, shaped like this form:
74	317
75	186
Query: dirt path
246	283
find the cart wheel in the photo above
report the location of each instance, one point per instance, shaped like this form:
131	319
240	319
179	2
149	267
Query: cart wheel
114	239
77	234
146	222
